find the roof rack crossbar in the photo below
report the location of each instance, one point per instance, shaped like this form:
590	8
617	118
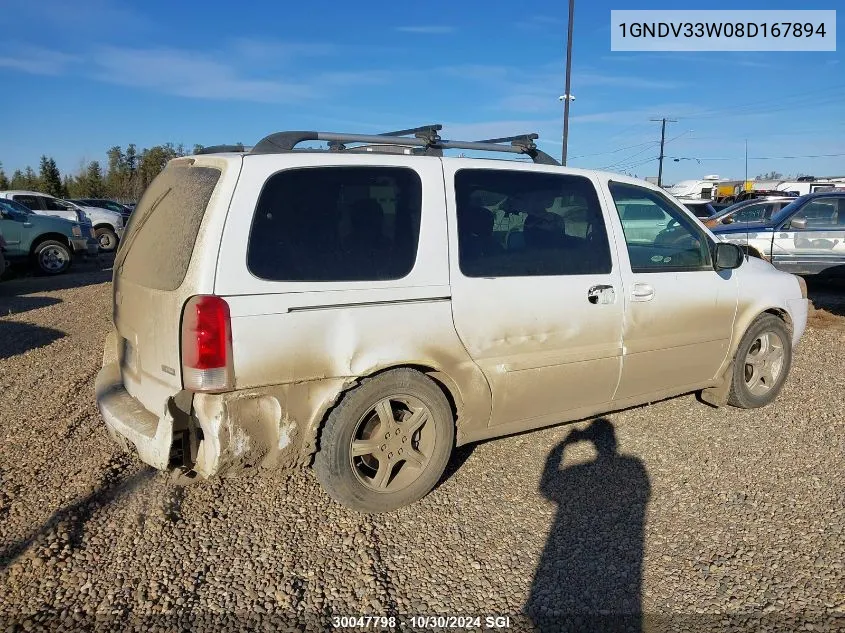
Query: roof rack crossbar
520	139
286	141
424	131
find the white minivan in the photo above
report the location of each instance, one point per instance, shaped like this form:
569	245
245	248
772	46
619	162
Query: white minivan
363	311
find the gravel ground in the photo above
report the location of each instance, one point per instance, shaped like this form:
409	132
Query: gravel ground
700	518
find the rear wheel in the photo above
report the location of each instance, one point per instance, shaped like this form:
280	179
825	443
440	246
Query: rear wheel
762	363
52	257
106	238
387	443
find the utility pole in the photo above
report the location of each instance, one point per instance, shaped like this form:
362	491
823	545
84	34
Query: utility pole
664	121
567	97
744	185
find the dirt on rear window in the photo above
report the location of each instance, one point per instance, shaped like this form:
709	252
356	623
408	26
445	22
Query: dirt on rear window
160	238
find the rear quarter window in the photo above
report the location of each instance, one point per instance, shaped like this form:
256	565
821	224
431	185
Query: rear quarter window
161	234
336	224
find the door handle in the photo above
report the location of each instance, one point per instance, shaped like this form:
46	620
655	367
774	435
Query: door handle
642	292
601	294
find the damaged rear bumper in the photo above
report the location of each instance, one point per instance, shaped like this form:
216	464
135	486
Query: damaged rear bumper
215	434
129	423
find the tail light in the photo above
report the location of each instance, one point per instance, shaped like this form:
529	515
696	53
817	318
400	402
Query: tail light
207	344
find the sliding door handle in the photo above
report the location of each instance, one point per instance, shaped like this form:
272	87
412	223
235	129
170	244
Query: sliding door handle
642	292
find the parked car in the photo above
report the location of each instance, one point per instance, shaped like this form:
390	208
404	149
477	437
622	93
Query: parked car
752	210
108	225
103	203
805	237
357	310
702	209
51	243
761	193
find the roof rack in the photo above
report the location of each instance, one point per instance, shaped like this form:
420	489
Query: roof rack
426	138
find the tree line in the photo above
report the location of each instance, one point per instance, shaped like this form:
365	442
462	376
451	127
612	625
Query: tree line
123	177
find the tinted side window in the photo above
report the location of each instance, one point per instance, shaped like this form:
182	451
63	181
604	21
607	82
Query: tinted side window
823	213
336	224
522	223
30	202
671	243
755	212
55	205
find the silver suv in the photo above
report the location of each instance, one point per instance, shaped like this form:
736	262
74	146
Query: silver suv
367	311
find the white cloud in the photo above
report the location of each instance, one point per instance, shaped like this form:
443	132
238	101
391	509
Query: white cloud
230	72
189	74
624	81
427	29
539	22
37	61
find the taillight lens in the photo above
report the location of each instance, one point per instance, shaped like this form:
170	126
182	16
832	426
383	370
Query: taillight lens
207	344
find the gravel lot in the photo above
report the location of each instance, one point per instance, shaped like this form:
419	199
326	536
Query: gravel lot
702	519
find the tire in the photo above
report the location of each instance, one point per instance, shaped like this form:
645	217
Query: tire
358	481
106	238
759	375
52	257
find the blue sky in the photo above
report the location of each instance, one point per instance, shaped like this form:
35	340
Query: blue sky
81	76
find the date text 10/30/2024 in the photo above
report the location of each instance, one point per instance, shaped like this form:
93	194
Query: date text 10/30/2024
422	622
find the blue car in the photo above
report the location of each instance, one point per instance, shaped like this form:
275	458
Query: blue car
806	237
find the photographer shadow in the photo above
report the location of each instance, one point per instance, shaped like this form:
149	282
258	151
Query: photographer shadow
590	574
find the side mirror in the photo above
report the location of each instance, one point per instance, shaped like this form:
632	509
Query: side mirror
728	256
728	220
798	224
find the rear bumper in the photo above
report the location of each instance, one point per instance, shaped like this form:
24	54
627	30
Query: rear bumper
83	247
129	423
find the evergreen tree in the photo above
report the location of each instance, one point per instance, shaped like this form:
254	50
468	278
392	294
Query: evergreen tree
4	181
31	182
94	185
17	181
51	179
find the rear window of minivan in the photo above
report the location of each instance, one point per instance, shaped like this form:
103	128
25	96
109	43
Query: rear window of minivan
336	224
160	237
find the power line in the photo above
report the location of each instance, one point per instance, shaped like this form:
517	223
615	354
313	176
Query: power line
614	151
804	98
765	157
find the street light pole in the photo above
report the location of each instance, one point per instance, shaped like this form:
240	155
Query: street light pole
566	96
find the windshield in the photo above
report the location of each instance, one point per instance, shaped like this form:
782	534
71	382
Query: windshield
13	206
784	213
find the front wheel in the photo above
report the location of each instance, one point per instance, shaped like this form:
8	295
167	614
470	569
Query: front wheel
387	443
762	363
52	257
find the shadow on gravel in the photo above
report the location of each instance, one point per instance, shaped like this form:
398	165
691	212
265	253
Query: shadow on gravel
827	297
590	573
459	457
84	275
18	305
70	521
17	338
